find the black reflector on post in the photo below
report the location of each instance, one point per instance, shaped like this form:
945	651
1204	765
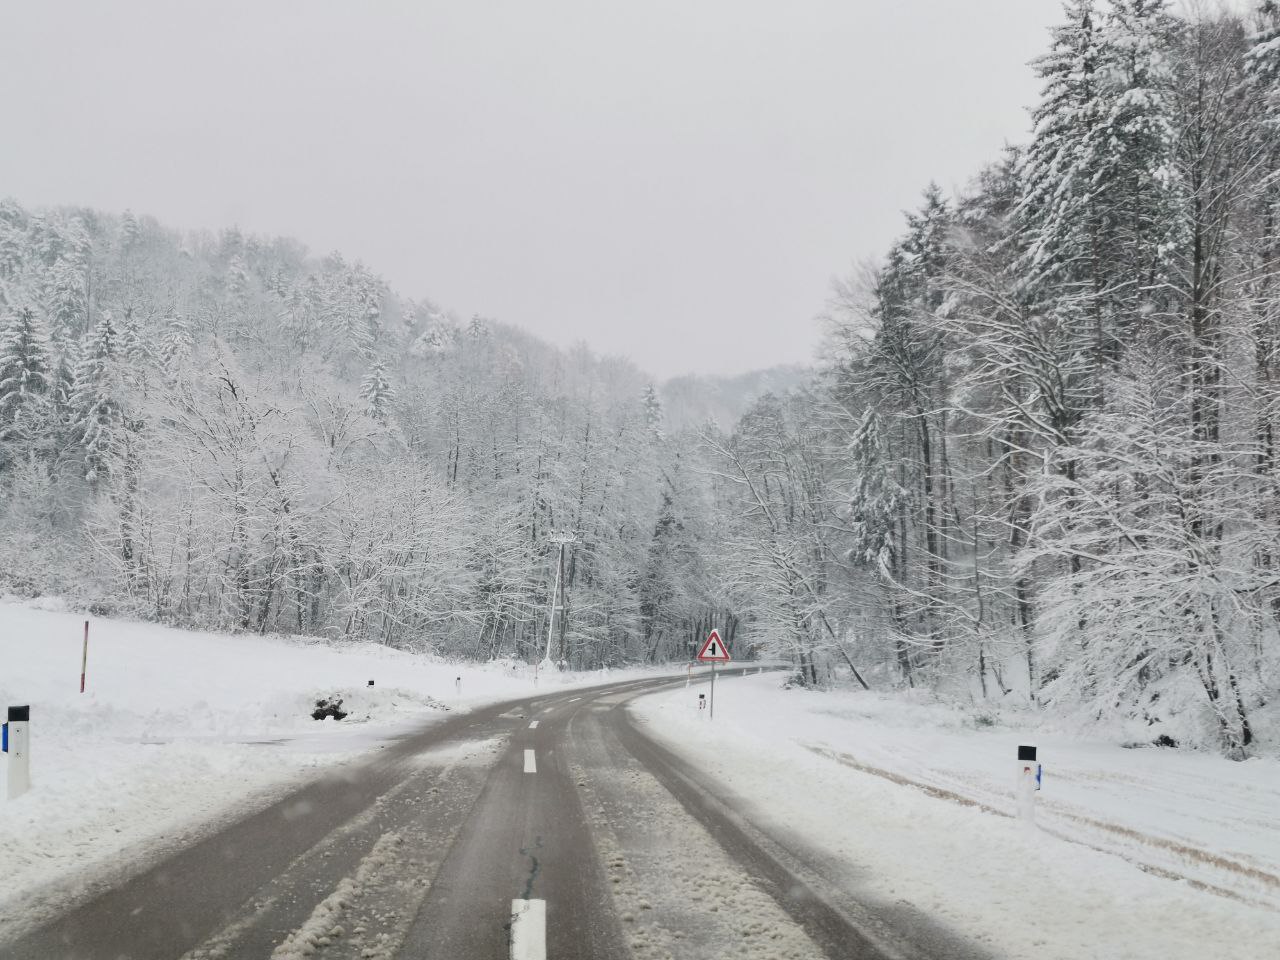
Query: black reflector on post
1026	753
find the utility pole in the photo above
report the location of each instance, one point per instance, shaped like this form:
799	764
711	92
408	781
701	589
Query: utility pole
557	591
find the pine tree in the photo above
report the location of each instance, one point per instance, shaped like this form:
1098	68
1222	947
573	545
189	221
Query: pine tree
1101	205
377	393
64	382
12	237
133	346
237	281
96	402
1264	64
1054	190
368	314
130	233
652	411
24	375
175	344
66	300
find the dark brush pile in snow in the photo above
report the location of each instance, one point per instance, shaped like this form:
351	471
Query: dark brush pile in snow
327	707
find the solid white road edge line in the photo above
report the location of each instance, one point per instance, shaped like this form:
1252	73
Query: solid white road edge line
530	764
528	930
533	724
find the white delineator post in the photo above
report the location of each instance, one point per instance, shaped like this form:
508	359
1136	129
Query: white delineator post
1027	784
19	748
84	657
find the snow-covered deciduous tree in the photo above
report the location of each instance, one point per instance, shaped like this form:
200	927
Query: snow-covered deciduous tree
1167	589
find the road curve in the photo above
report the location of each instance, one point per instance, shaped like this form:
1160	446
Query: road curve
547	826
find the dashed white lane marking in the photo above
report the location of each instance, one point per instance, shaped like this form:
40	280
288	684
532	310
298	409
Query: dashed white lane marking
528	930
574	699
533	724
530	764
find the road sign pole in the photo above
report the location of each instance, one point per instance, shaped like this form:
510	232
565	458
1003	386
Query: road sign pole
84	656
713	651
561	539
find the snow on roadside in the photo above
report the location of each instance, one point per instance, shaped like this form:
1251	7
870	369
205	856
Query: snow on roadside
179	729
903	799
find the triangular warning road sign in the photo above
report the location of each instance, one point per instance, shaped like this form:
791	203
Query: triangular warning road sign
714	650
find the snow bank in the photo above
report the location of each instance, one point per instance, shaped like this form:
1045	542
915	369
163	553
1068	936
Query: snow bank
1137	853
178	729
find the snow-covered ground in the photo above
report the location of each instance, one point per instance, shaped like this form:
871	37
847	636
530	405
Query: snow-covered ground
1146	853
178	730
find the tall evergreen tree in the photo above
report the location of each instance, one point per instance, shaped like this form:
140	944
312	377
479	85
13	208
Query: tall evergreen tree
377	393
25	377
96	400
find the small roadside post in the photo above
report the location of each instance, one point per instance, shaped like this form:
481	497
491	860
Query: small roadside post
1029	775
84	656
16	742
713	651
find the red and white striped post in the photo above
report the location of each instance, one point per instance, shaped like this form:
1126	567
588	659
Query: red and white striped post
84	656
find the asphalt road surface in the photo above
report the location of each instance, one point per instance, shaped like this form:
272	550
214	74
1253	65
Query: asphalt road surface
545	827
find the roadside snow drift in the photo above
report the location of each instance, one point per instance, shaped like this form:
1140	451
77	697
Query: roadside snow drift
180	730
1135	853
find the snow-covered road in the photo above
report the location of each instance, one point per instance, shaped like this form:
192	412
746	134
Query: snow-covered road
180	732
896	809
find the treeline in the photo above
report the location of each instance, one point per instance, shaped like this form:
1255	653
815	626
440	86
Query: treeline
1044	457
221	431
1039	462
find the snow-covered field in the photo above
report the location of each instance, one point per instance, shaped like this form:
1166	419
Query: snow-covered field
178	730
1145	853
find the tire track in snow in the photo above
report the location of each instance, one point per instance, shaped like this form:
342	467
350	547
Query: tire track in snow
1203	857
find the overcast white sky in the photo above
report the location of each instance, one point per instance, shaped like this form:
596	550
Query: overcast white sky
673	181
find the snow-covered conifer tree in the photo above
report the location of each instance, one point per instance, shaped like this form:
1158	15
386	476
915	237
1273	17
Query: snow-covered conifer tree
95	399
652	411
1101	193
130	232
25	377
66	300
175	344
377	393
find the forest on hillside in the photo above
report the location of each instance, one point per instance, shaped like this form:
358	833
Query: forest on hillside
1036	461
223	431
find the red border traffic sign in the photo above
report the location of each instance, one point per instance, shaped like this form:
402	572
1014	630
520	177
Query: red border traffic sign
714	650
